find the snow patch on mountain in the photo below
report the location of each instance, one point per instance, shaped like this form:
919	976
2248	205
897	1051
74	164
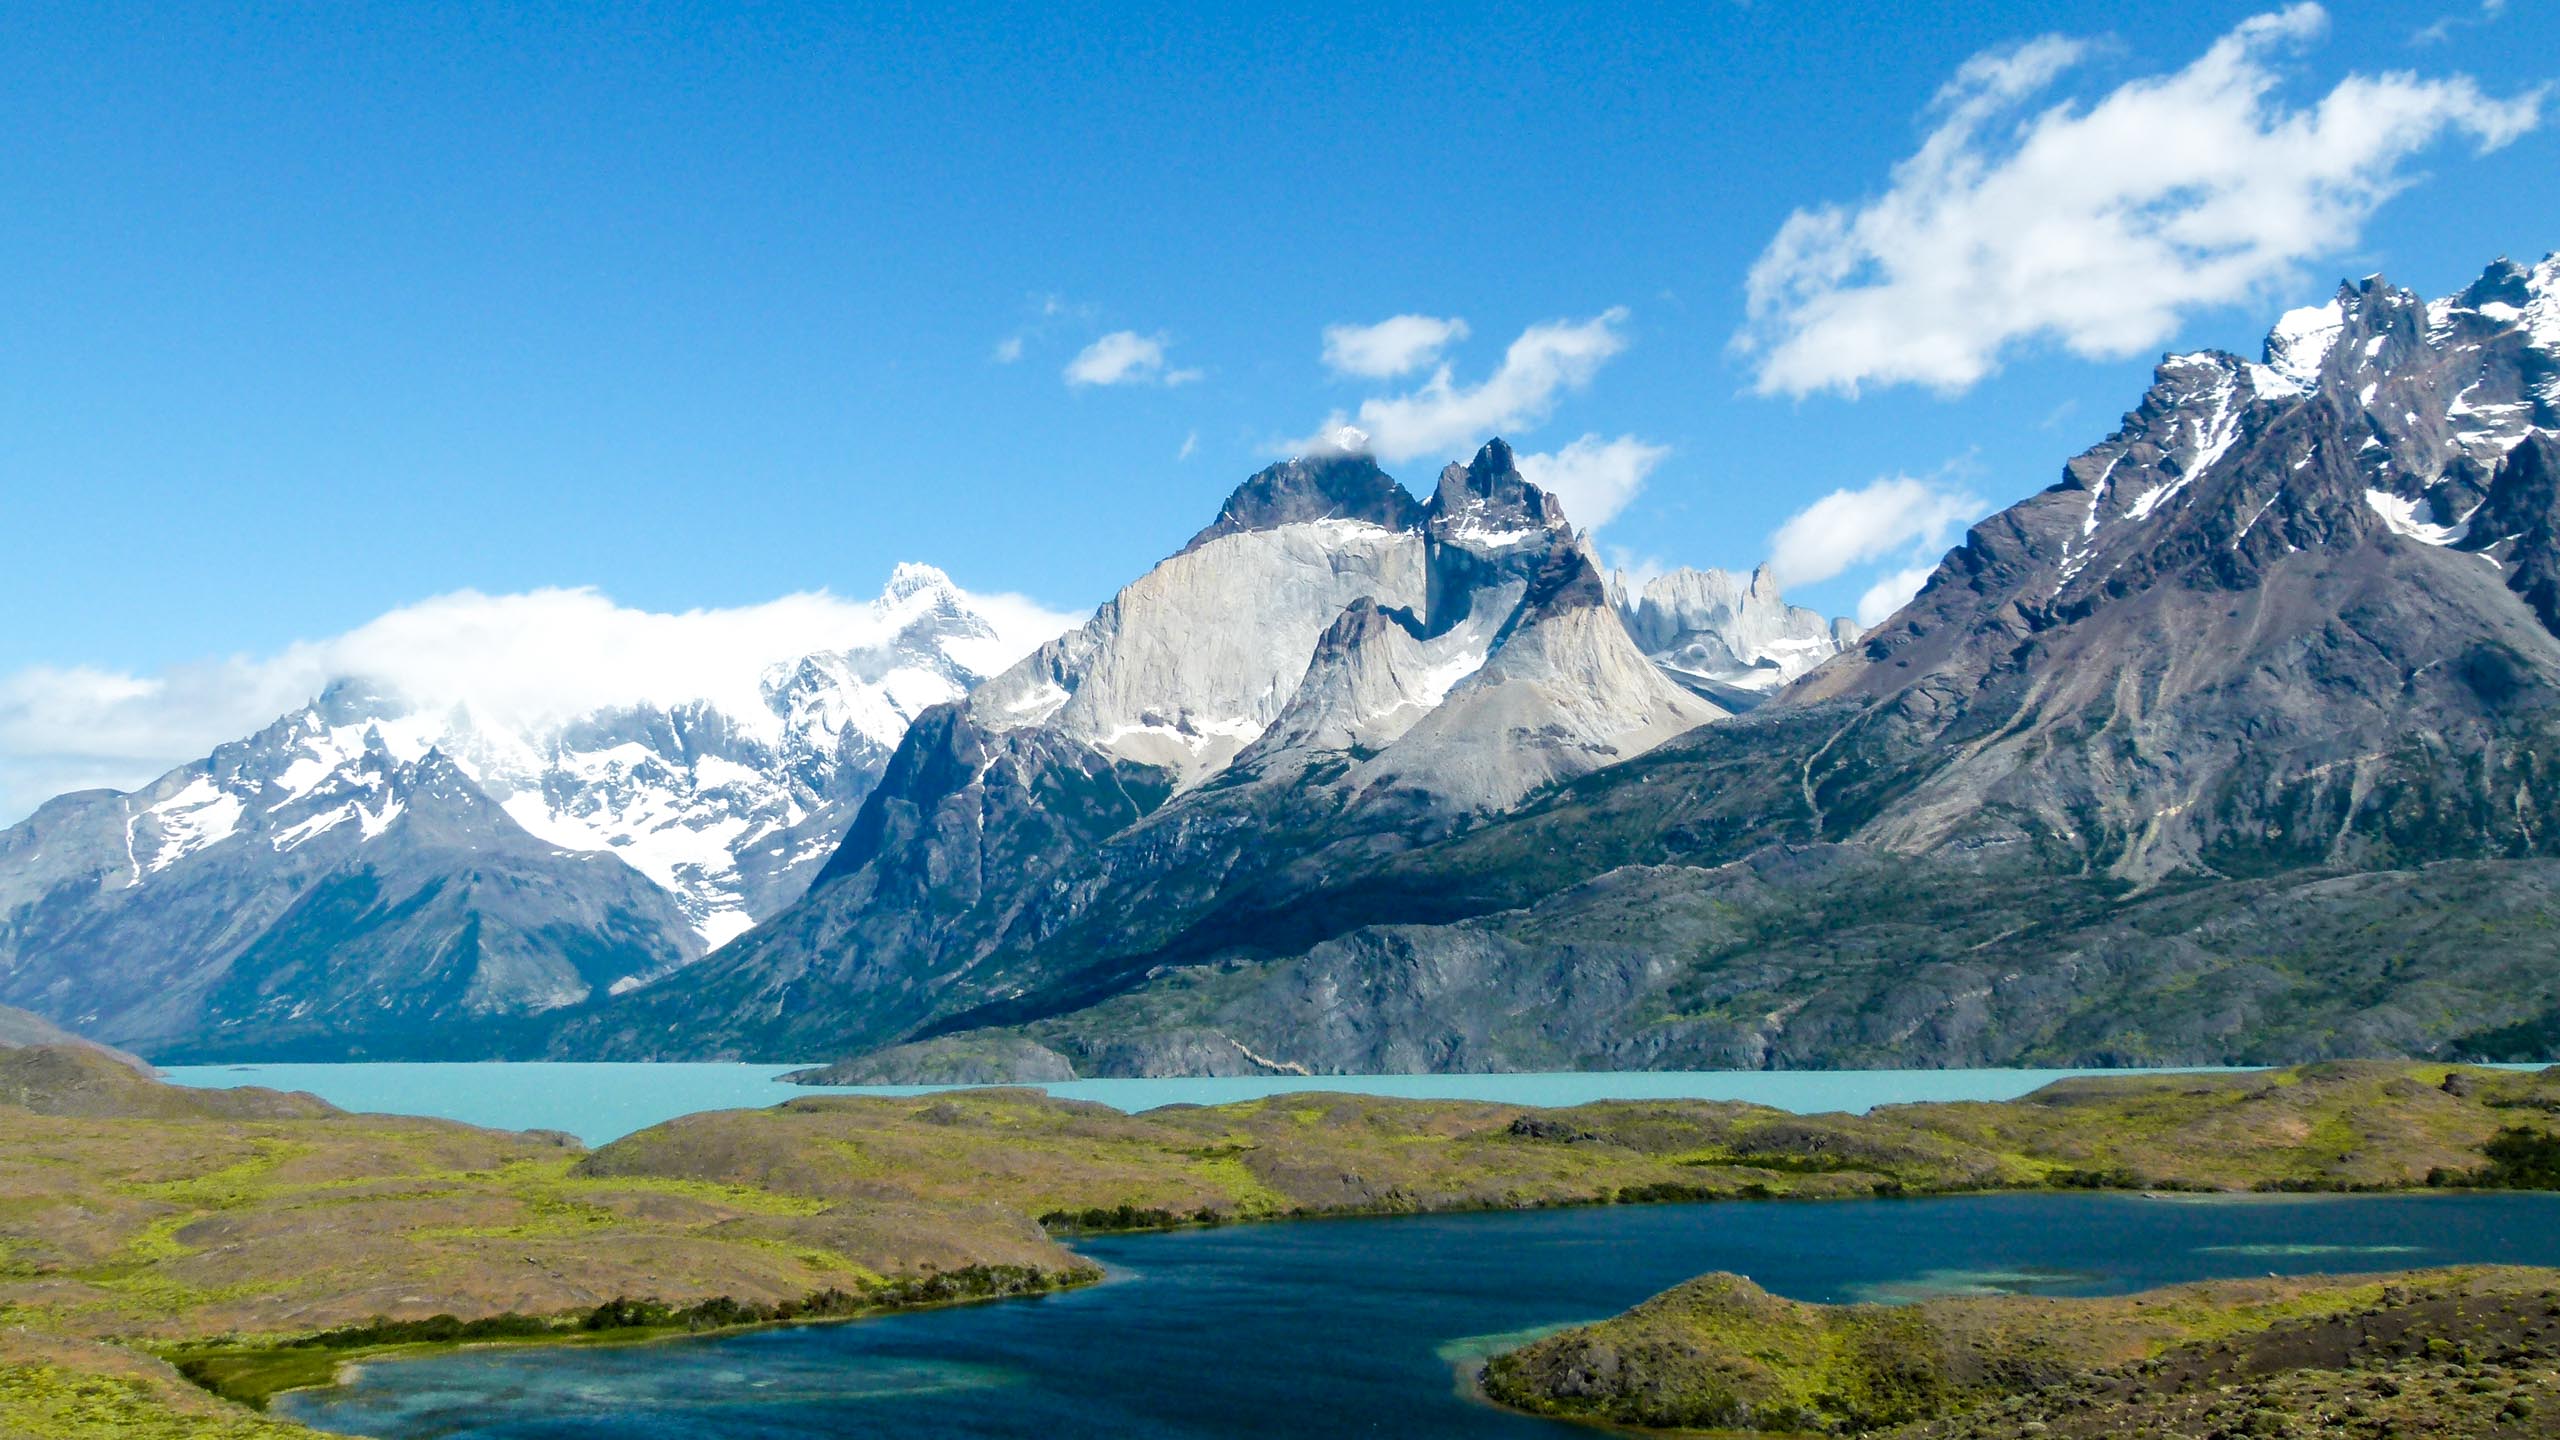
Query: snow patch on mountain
2302	340
198	816
2542	316
2402	515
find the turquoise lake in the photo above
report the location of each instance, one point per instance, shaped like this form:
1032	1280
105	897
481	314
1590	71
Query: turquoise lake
1370	1327
598	1102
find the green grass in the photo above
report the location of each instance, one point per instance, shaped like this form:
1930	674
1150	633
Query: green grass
46	1401
254	1373
1721	1353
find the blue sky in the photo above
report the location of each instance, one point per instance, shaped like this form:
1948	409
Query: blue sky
311	312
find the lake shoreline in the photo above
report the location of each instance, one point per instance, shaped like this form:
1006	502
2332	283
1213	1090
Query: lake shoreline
1175	1284
345	1365
243	1208
602	1101
348	1363
2419	1348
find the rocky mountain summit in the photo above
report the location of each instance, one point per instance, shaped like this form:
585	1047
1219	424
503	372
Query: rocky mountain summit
1329	672
380	869
2285	612
2235	745
1732	638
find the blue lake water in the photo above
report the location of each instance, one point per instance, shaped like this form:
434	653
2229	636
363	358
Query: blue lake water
1366	1327
598	1102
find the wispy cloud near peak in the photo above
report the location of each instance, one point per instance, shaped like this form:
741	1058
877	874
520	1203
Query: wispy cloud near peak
2097	227
1442	417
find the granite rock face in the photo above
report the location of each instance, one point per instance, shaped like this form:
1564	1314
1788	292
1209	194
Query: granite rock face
1731	637
2236	744
1322	676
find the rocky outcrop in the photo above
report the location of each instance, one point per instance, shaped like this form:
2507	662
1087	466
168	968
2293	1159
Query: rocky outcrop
1346	486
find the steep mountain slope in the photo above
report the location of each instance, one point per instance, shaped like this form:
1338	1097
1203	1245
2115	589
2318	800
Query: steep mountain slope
2241	742
386	873
2253	614
228	900
1327	673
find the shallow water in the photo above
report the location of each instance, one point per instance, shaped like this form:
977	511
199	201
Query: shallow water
599	1102
1362	1327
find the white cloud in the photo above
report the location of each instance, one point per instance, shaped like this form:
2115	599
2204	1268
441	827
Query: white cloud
1890	594
511	659
2442	30
1394	346
1595	478
1125	357
1190	447
1047	314
1443	417
2097	228
1897	515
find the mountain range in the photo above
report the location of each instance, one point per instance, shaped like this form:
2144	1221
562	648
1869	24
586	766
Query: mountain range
382	873
2235	744
388	874
1329	673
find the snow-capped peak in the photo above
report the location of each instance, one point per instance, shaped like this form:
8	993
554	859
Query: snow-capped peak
2542	316
728	799
910	579
2302	340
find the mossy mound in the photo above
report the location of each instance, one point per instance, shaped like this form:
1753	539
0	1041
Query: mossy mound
1721	1353
92	1082
57	1389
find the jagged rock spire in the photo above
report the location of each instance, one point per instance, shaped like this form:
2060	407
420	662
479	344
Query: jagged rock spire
1490	491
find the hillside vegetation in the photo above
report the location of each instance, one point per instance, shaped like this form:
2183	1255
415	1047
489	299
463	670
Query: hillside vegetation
2449	1353
257	1239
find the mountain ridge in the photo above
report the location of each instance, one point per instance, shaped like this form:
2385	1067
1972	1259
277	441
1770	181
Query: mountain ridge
1390	671
2228	747
382	869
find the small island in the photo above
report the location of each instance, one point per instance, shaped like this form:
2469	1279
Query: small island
2461	1354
